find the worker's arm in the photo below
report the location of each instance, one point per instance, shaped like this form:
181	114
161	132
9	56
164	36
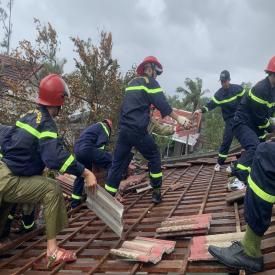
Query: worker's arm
158	99
56	157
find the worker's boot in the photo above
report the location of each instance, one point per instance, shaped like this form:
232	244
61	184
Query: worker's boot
235	256
156	195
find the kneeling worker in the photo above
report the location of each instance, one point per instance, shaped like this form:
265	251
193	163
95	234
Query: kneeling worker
29	147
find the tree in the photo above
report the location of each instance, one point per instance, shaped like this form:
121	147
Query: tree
38	59
192	95
5	18
97	81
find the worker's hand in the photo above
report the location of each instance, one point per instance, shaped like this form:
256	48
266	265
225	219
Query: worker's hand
185	122
90	180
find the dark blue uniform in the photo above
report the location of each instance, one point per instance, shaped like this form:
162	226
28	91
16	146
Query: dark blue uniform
27	148
89	149
33	144
251	123
260	194
229	100
134	119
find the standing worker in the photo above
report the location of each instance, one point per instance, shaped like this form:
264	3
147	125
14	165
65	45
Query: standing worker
89	150
228	97
251	121
30	146
141	92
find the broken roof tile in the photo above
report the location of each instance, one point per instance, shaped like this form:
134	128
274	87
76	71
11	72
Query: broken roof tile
144	249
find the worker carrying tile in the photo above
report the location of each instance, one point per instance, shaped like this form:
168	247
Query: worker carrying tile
141	92
228	97
251	121
259	200
30	146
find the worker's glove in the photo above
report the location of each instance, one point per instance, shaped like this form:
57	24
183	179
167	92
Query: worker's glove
185	122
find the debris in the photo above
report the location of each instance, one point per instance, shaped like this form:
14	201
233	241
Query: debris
144	249
185	226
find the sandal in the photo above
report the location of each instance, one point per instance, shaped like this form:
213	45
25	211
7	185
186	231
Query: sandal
67	256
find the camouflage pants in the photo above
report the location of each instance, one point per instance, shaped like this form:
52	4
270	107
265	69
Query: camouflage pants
33	190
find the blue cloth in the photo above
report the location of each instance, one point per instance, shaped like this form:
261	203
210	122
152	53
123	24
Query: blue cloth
228	99
226	143
33	144
94	136
146	145
258	212
140	94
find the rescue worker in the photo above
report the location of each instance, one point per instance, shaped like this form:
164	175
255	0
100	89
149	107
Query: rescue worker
251	121
228	97
141	92
30	146
89	150
259	200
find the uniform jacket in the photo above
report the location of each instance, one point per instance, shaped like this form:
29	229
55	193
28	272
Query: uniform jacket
33	144
228	99
97	135
139	95
257	106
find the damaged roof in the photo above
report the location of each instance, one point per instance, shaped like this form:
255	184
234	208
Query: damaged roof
200	190
183	136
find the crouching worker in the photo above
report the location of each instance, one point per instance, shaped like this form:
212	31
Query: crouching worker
90	150
31	145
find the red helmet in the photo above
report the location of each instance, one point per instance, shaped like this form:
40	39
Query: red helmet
271	65
52	90
152	60
109	122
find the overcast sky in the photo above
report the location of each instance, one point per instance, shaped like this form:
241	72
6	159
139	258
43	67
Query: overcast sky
191	38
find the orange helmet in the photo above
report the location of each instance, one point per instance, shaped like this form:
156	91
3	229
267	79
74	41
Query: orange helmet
52	91
271	65
109	122
150	60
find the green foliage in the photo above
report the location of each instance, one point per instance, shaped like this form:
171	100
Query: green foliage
193	94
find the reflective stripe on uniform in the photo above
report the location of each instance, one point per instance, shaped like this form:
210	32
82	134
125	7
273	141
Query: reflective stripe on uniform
144	88
243	167
265	125
259	192
67	163
104	128
102	147
156	175
263	136
1	155
261	101
222	156
76	197
228	99
10	217
205	108
110	188
28	226
34	132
